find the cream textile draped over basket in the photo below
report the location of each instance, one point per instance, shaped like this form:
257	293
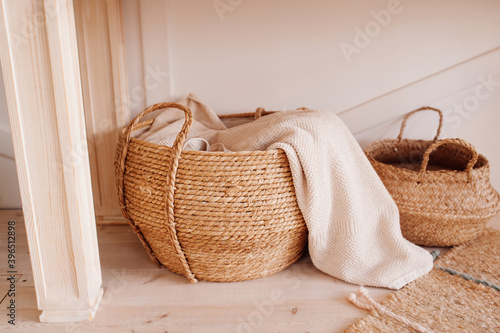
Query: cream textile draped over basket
441	187
215	216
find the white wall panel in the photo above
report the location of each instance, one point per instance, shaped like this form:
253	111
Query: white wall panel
280	54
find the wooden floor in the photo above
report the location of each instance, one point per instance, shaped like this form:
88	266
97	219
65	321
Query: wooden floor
141	298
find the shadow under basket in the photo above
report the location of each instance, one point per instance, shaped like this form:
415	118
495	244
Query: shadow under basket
213	216
441	187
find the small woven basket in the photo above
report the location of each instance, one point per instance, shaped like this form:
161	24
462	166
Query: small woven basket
444	198
214	216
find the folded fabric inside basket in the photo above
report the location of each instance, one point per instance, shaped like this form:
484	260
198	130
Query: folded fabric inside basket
353	223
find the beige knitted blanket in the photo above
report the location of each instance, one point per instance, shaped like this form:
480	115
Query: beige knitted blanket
353	223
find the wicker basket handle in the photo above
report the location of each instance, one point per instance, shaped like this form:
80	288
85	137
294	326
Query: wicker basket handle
403	125
259	112
136	124
432	147
170	182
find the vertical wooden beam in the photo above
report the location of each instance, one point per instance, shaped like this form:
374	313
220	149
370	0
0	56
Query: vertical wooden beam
39	56
105	95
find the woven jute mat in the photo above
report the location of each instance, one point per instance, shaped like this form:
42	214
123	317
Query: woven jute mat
459	295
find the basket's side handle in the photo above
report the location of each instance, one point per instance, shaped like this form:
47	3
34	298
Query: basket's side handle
170	181
403	125
432	147
259	112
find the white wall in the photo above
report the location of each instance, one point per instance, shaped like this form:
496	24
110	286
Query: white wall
9	187
283	54
287	52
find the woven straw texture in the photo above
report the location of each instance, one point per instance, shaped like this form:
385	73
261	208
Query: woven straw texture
442	302
441	187
214	216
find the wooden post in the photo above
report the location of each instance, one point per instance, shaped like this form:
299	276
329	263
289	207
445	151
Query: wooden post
105	96
39	57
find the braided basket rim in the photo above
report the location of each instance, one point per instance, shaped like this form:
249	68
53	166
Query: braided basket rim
239	153
373	157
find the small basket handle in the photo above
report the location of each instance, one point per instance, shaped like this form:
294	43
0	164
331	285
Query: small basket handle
403	125
432	147
170	182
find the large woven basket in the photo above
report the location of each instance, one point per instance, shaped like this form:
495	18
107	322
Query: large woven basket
444	198
214	216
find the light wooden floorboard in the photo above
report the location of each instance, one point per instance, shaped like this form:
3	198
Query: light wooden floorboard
141	298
